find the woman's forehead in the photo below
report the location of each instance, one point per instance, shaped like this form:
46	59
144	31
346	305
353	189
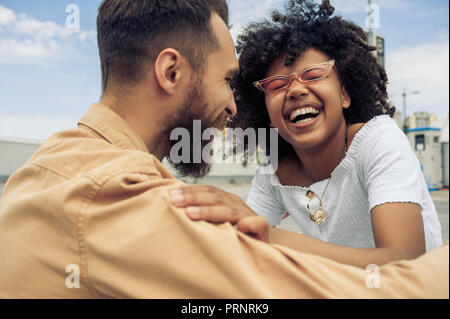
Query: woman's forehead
305	59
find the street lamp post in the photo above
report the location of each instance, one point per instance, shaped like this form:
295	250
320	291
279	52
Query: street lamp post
404	106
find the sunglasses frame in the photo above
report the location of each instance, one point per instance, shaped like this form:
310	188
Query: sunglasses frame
295	75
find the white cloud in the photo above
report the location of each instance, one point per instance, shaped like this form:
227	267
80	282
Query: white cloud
12	50
242	12
7	16
355	6
27	40
39	128
423	68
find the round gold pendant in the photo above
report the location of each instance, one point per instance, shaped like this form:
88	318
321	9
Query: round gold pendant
319	216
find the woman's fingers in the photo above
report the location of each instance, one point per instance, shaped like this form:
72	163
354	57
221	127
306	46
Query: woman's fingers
209	203
255	226
193	199
214	214
201	195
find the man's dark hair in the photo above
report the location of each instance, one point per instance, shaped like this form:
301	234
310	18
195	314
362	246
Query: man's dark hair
132	33
306	24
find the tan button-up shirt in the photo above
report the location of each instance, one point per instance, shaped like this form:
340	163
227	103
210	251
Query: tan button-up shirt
89	216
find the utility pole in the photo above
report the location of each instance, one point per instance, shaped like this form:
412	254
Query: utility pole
404	95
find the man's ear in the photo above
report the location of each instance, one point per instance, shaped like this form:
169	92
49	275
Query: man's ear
346	99
168	69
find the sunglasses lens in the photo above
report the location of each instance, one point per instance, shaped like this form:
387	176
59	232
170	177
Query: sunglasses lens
274	84
315	73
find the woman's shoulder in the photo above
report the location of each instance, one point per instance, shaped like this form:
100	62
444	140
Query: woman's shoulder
381	136
377	131
352	129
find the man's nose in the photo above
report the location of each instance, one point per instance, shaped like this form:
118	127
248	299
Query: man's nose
231	108
296	89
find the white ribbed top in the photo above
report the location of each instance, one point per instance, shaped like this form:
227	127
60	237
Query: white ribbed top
379	167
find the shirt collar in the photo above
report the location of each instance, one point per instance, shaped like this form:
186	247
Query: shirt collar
112	127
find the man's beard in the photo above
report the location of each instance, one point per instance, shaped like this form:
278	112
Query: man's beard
194	108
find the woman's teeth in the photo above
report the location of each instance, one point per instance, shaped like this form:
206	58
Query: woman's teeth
303	115
305	120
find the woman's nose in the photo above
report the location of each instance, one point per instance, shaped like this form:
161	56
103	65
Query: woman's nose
296	89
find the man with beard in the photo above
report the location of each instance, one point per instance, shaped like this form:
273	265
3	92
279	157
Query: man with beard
89	215
192	110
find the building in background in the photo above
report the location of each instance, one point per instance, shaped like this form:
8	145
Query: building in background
427	147
14	152
428	136
443	123
421	119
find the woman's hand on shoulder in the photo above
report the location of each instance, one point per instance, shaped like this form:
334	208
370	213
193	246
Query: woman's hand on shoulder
212	204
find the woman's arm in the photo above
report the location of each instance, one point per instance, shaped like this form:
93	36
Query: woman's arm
398	234
397	227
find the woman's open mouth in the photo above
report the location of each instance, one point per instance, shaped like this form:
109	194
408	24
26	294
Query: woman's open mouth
304	115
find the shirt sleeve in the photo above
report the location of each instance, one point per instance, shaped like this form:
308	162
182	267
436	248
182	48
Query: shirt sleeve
134	244
391	171
263	198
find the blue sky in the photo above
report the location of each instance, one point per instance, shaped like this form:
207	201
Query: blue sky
50	74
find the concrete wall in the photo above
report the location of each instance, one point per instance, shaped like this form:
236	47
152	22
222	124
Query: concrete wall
1	188
14	153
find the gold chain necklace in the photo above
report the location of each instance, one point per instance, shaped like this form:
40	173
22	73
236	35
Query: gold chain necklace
320	215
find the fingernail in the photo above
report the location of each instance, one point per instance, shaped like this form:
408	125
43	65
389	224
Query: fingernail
175	192
193	211
176	199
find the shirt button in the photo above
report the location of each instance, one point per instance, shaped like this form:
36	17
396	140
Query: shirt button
310	194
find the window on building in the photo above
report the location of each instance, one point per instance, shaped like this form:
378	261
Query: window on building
420	142
435	139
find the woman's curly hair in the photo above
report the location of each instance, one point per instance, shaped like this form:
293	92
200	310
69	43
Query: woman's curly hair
306	24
